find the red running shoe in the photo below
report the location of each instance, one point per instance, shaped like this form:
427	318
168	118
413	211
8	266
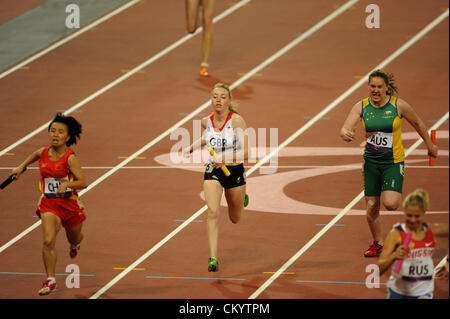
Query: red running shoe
74	251
374	250
47	287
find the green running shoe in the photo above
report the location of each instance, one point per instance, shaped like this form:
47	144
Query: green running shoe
213	264
246	200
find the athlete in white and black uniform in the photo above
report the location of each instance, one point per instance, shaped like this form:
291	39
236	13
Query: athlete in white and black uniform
225	132
225	143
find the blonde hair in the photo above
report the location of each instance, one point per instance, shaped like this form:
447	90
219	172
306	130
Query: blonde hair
233	106
417	198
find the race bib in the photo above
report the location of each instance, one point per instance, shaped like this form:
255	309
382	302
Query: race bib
209	168
51	185
418	269
380	141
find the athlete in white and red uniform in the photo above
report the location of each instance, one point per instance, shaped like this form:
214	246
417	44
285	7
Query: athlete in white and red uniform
225	143
416	276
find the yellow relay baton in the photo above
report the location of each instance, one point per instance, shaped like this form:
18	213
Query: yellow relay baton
224	168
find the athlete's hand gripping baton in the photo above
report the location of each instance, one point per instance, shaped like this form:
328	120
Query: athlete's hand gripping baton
433	139
224	168
399	263
10	179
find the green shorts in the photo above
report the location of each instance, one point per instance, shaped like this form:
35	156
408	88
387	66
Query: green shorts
382	177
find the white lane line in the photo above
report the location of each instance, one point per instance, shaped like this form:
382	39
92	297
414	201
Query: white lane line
201	210
441	263
68	38
330	224
127	75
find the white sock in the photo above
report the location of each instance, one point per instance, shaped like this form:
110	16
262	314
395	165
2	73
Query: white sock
52	279
204	64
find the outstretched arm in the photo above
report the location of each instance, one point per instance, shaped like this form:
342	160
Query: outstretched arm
33	157
349	127
405	110
199	142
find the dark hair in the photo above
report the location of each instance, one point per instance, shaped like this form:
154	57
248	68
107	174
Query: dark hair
73	127
388	79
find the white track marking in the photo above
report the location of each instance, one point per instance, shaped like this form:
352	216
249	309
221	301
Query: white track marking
147	254
240	81
441	263
127	75
330	224
68	38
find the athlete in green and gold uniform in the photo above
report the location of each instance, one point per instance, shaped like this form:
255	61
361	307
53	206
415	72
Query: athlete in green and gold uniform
381	115
383	154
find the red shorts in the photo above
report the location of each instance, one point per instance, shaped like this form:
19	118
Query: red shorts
70	211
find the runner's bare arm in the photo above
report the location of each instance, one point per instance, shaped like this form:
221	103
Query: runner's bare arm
199	142
392	250
349	127
33	157
439	230
405	110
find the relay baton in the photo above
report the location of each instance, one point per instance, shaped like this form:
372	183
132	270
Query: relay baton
10	179
433	139
399	263
224	168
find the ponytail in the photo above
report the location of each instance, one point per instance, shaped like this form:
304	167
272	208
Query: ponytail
419	198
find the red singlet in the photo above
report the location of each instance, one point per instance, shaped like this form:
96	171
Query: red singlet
67	207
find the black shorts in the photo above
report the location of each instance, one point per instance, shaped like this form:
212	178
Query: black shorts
236	178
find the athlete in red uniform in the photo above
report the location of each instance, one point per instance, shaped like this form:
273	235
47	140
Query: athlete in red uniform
61	176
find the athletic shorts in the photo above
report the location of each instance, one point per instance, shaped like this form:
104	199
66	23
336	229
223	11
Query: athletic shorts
236	178
70	211
391	294
382	177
